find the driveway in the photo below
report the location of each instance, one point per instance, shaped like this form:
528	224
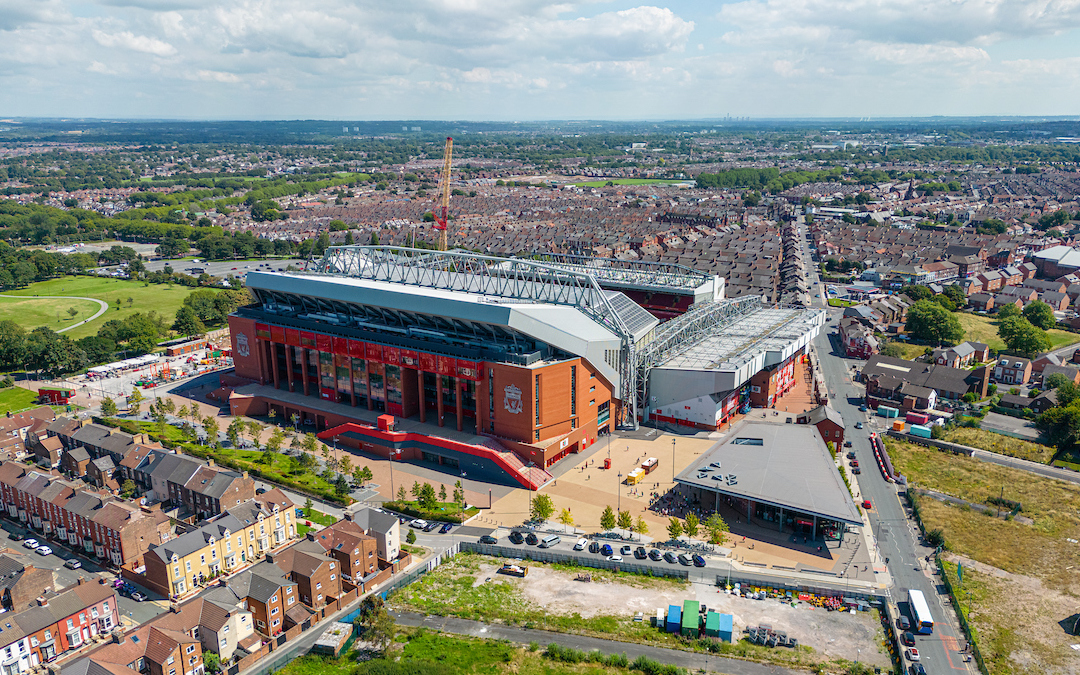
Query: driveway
1010	426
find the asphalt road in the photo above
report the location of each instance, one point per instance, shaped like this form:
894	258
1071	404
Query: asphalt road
237	268
138	612
896	534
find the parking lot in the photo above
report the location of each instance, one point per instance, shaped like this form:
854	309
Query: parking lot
132	611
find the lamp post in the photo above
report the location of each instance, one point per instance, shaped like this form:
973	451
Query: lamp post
618	489
673	462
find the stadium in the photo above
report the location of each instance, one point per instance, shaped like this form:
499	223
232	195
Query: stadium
503	367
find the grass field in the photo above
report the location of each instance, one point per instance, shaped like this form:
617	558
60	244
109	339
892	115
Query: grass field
1000	443
33	312
163	299
1039	550
910	351
979	328
14	399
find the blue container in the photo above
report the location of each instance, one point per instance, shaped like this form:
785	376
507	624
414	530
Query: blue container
674	619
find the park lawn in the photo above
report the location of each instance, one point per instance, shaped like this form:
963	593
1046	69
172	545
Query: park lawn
161	298
14	399
1000	443
33	312
1039	549
979	328
836	302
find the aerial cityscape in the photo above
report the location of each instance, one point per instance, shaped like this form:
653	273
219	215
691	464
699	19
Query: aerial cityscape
563	339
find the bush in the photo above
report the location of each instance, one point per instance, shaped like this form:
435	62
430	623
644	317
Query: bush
936	537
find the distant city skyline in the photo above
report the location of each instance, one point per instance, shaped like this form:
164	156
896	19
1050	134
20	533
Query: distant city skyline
534	60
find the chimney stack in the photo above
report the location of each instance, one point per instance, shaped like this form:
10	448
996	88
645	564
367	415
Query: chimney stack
210	462
42	602
174	608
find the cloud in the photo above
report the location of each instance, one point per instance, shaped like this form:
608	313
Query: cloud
136	43
17	13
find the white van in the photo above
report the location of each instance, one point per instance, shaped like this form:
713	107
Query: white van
581	544
549	541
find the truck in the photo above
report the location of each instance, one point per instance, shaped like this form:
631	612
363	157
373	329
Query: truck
649	465
634	477
514	570
917	418
920	431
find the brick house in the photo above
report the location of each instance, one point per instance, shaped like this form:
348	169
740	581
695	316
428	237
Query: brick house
829	424
1012	370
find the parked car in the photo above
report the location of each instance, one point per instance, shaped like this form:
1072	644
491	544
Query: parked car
858	425
917	669
73	564
43	550
531	539
699	561
862	408
913	654
445	528
594	547
866	504
15	536
138	596
847	444
851	455
903	623
640	553
656	555
625	549
670	557
606	550
615	558
516	538
488	539
685	560
418	524
854	462
581	544
907	638
856	471
31	543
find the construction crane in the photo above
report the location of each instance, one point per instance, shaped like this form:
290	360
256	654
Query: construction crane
442	209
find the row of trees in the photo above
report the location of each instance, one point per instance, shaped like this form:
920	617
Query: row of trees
715	528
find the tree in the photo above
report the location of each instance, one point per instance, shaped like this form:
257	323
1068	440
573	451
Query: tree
401	493
108	407
415	491
254	430
366	476
276	440
211	426
542	508
128	489
626	521
674	528
459	493
917	293
411	536
341	486
893	349
376	623
607	519
308	504
945	301
1007	312
212	661
234	430
135	402
345	465
716	527
1061	424
187	322
641	527
956	294
1021	337
426	499
930	322
566	518
1067	392
1040	315
442	493
690	526
311	443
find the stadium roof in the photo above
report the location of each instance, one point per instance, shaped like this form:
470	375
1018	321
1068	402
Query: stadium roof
783	465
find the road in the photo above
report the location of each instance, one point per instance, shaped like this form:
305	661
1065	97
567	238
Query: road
691	661
896	534
1025	465
102	306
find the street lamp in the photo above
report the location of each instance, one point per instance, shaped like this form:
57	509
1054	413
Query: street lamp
618	489
673	461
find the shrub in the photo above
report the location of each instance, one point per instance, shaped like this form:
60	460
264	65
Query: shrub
936	537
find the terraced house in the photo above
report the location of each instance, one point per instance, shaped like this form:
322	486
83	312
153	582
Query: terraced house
115	531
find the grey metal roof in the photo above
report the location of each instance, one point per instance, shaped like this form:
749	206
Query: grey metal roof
785	465
763	330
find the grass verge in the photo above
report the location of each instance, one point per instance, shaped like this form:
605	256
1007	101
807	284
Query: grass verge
1000	443
443	511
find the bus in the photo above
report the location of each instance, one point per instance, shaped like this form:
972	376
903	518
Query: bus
920	612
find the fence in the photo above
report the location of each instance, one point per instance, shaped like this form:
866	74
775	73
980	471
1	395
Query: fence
778	584
954	448
552	556
968	633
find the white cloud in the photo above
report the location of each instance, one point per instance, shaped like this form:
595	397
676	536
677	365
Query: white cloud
136	43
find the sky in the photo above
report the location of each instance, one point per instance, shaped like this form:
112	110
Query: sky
537	60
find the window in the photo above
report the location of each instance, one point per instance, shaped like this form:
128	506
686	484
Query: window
190	648
289	589
319	596
291	600
225	628
276	622
188	564
202	559
105	606
70	624
748	441
172	671
192	660
573	390
274	611
48	635
93	612
82	617
33	641
332	577
318	584
171	660
331	565
176	571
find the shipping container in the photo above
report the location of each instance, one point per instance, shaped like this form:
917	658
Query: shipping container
691	618
674	618
898	425
917	417
919	430
648	465
712	624
727	627
660	616
886	411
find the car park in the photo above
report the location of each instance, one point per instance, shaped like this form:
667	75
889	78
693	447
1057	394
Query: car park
516	538
670	557
73	564
907	638
699	561
581	544
685	560
640	553
594	547
615	558
656	555
445	528
606	550
43	550
531	539
488	539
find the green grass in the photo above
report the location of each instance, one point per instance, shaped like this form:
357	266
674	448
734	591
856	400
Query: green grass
14	399
319	517
979	328
1038	550
33	312
909	351
1000	443
835	302
443	511
161	298
632	181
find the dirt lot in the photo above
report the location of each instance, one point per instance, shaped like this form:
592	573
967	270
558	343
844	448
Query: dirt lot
833	634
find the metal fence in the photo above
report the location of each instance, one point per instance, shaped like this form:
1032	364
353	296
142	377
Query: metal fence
553	556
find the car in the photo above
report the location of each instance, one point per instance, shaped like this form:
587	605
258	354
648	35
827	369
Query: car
531	539
917	669
699	561
137	596
43	550
625	550
670	557
606	550
73	564
516	538
640	553
445	528
418	524
903	623
594	547
581	544
685	560
851	455
15	536
907	638
656	555
615	558
862	408
488	539
857	471
430	526
866	504
858	425
913	654
31	543
854	463
847	444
